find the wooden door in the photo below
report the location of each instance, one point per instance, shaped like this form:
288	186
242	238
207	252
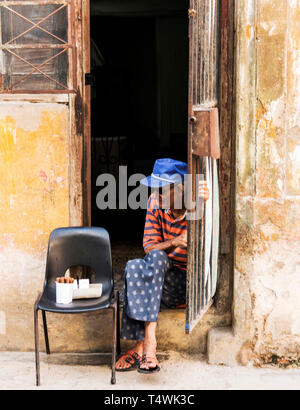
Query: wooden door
204	152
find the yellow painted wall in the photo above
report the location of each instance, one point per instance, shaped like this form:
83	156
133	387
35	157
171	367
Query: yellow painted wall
34	199
33	173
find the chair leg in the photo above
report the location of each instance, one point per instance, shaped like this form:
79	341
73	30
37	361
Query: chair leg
37	353
46	332
118	325
114	350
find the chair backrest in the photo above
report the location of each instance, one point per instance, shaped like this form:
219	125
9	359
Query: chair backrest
80	246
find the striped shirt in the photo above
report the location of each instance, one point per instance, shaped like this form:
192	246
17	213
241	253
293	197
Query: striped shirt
161	226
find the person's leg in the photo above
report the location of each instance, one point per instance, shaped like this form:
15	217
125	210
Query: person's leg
173	294
174	290
143	288
131	329
149	348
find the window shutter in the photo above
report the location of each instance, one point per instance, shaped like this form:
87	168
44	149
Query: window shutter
36	46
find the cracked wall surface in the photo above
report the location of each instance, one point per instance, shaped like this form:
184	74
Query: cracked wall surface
266	302
267	261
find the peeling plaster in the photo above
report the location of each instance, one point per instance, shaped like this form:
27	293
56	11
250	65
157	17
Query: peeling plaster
33	172
266	307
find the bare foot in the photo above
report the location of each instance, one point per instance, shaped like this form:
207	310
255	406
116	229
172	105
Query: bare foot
150	352
126	362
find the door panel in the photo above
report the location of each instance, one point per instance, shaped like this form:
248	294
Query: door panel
204	152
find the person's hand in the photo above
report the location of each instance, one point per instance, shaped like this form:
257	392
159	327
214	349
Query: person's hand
180	241
203	190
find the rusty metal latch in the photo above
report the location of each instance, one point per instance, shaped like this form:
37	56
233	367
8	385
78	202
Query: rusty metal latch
192	13
206	134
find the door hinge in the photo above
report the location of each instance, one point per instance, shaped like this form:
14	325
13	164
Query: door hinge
90	79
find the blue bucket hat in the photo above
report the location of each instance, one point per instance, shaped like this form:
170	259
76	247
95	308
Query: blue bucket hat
166	171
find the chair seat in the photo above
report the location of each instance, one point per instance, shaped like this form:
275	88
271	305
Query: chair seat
48	304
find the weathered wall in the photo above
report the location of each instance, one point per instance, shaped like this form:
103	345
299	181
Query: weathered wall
276	287
35	190
267	258
34	199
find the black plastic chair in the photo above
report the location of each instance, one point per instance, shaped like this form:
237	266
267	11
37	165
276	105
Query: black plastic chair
78	246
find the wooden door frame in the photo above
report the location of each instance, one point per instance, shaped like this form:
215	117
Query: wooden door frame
87	166
80	118
227	162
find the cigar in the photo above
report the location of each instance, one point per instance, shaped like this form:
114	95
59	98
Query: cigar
65	280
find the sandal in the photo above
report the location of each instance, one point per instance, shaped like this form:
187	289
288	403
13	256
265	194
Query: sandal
148	359
131	358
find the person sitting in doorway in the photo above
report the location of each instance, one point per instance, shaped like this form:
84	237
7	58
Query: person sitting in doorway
159	280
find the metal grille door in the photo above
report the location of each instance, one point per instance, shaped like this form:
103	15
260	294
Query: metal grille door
204	151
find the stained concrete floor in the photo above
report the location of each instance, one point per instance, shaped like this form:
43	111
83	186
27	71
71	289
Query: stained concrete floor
179	372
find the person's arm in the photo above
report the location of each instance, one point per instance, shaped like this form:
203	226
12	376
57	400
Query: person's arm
177	242
153	231
153	236
168	246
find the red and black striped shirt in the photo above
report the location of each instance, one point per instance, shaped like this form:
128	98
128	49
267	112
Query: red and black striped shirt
162	226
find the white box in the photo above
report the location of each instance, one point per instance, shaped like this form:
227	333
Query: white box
84	283
94	292
64	293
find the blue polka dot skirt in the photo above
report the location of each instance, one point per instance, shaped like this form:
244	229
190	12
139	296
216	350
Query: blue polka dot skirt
150	284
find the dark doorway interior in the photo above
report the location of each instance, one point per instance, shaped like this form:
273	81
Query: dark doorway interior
139	99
